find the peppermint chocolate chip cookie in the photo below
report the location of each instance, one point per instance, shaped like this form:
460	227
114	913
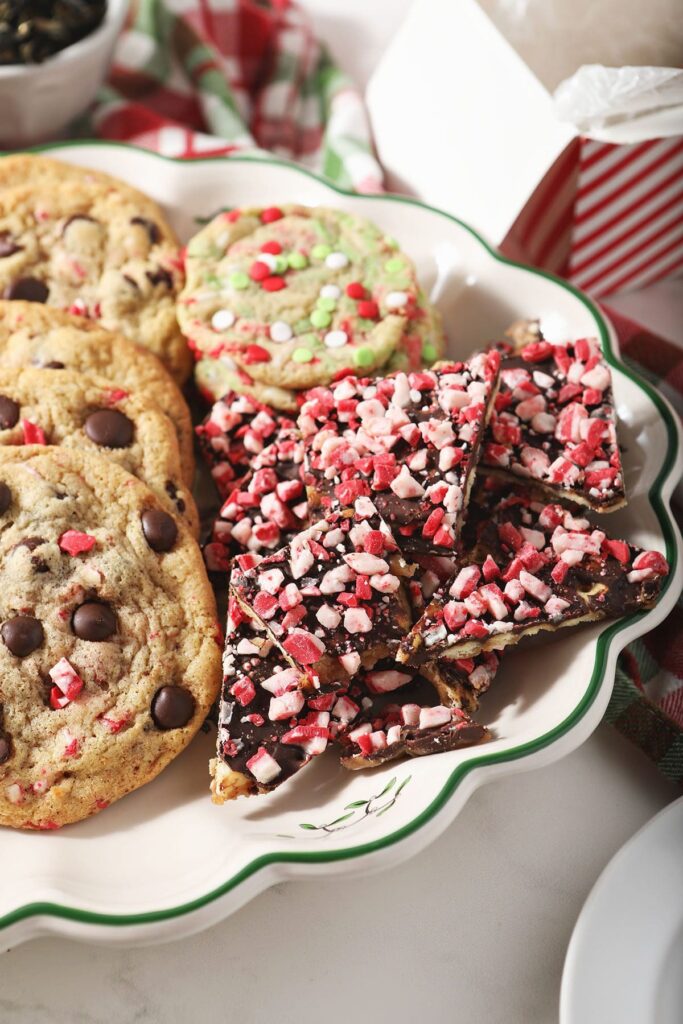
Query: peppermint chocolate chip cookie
60	407
35	335
108	654
97	252
296	295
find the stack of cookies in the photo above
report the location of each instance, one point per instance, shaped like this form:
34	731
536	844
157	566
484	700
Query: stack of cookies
446	513
109	660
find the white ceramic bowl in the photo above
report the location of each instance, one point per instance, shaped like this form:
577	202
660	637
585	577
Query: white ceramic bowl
165	862
37	101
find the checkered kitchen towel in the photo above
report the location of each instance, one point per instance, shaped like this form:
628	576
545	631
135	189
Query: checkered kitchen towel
205	77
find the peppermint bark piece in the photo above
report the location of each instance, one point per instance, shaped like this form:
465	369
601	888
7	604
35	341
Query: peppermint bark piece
234	435
334	598
530	567
409	442
554	424
272	718
264	510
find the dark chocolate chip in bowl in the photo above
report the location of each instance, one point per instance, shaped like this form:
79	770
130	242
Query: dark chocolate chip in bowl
160	529
93	621
22	635
5	748
5	497
8	246
109	428
9	413
150	227
28	288
172	707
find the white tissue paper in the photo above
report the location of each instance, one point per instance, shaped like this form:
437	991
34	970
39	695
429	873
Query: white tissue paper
628	103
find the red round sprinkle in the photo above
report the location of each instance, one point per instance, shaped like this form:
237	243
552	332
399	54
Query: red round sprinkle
233	215
355	290
258	271
256	354
270	214
273	284
368	309
272	247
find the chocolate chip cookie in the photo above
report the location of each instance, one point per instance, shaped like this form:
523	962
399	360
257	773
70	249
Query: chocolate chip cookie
296	295
61	407
35	335
109	660
97	252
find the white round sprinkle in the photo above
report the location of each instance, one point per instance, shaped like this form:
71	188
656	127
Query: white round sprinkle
280	331
222	320
268	259
335	339
336	261
330	291
395	300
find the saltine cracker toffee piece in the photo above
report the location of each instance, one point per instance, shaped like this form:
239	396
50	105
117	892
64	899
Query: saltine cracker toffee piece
410	728
234	434
334	599
273	718
408	442
554	424
530	566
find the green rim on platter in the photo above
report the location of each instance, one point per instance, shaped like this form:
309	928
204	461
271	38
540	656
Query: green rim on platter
459	773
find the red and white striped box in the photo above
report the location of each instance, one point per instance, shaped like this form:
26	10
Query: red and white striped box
461	121
608	217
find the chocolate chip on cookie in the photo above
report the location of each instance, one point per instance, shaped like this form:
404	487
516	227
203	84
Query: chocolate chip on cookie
5	497
150	227
8	246
5	748
94	621
22	635
160	529
110	428
9	413
28	288
172	707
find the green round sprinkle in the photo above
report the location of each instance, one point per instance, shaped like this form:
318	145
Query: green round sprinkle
429	353
320	251
239	280
391	242
363	357
394	265
310	340
281	264
320	318
302	355
297	260
325	302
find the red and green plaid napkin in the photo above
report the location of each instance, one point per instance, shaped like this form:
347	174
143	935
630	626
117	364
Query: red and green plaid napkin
205	77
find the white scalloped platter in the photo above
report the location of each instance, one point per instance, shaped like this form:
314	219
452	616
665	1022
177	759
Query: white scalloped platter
165	862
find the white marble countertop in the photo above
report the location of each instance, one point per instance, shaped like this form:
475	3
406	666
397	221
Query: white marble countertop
473	930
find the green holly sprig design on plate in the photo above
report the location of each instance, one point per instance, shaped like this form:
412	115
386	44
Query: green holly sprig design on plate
360	810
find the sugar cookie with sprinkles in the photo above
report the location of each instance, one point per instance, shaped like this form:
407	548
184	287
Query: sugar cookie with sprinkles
554	424
32	334
109	658
273	718
530	566
296	295
69	409
334	599
97	252
410	442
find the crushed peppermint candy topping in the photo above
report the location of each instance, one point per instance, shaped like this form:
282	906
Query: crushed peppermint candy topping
67	681
544	568
554	423
74	542
266	508
335	590
272	719
235	434
409	442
